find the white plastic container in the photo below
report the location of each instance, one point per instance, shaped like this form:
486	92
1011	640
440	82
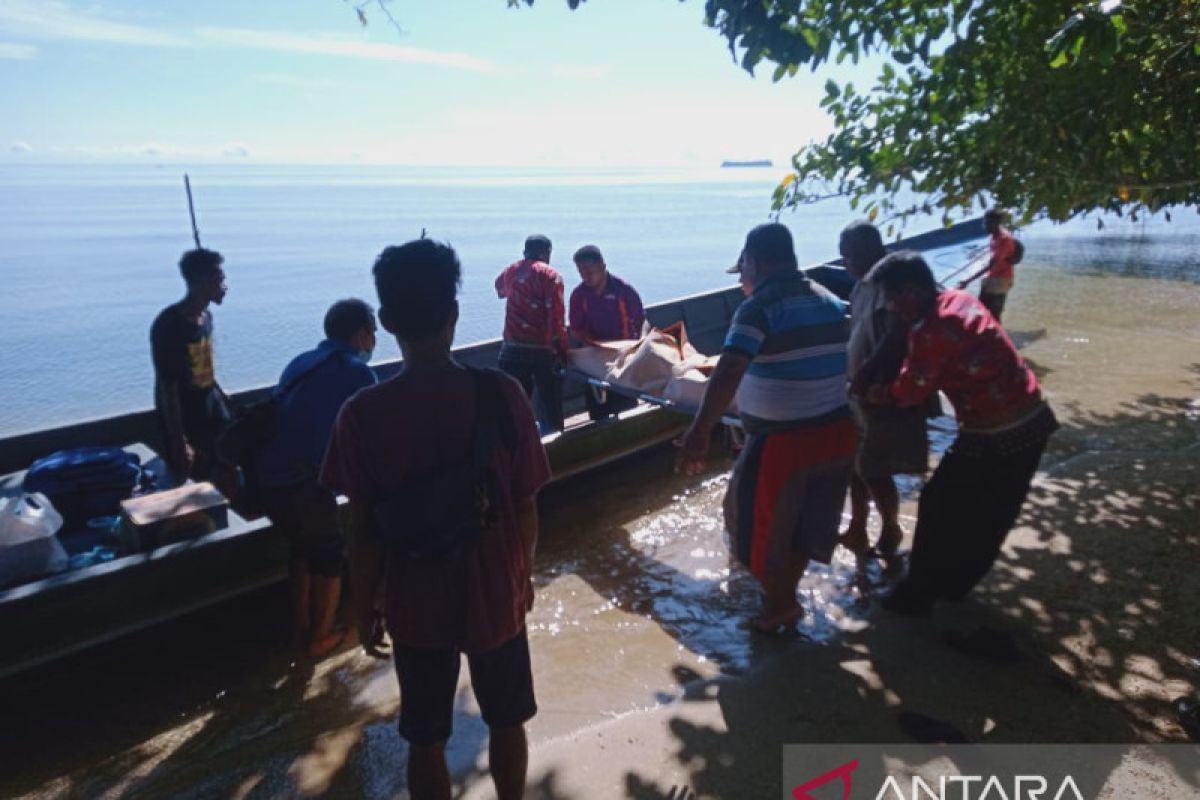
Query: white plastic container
29	547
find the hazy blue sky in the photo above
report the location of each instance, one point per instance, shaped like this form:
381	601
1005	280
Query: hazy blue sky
623	82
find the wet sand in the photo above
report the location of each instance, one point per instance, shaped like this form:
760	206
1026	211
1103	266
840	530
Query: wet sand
645	680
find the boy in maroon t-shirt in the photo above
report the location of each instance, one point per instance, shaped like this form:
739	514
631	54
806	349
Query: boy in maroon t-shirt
392	436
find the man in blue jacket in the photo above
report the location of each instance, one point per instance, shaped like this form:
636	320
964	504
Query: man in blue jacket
310	393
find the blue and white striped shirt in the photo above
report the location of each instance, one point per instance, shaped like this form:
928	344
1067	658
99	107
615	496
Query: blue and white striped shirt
796	332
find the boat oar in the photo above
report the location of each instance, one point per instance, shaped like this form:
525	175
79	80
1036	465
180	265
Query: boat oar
187	185
975	258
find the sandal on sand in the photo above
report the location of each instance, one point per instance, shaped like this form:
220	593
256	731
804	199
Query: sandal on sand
930	730
780	626
1187	710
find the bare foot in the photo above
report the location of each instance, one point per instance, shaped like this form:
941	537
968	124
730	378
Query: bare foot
889	541
323	647
855	540
781	624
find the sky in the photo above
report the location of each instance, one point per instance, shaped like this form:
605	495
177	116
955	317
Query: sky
463	82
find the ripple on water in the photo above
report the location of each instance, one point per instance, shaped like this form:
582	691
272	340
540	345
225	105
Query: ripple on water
672	566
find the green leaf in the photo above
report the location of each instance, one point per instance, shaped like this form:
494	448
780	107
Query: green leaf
831	89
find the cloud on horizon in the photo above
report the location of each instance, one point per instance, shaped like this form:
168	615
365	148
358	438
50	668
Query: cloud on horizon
237	151
20	147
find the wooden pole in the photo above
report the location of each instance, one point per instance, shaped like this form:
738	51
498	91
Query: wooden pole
187	185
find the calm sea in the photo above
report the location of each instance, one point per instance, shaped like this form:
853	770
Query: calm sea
88	256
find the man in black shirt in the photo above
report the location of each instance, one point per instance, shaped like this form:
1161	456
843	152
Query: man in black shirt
192	408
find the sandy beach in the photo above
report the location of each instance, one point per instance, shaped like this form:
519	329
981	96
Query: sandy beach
648	687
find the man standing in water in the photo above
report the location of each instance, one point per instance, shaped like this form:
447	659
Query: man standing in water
785	359
191	407
535	332
976	492
398	450
1000	270
309	394
892	440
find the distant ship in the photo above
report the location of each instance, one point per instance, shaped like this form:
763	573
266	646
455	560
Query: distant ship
764	162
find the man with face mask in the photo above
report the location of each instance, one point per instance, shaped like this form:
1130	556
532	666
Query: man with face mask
310	393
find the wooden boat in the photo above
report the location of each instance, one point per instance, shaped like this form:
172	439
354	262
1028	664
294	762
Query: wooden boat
72	611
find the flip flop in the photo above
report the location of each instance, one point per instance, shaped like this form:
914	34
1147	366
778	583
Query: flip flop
930	730
781	627
1187	710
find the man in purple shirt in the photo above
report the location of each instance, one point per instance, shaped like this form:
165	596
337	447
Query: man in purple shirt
603	308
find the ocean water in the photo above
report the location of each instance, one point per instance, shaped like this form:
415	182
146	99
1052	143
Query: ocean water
88	256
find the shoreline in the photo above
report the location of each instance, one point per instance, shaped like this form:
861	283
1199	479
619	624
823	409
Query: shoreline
636	605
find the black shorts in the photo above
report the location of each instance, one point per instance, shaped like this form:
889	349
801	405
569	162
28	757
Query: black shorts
502	680
307	514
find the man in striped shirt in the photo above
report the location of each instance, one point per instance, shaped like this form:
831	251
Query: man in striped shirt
785	359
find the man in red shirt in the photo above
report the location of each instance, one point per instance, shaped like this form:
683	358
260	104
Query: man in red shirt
975	495
1000	267
535	331
415	430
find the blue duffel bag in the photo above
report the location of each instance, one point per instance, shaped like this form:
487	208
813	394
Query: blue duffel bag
85	482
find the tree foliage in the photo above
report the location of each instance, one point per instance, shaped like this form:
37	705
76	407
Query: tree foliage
1044	107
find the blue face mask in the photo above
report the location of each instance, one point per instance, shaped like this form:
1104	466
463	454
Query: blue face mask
364	356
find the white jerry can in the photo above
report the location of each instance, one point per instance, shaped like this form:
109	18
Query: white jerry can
29	547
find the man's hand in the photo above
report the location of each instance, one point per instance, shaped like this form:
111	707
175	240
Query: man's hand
878	395
860	385
180	458
693	450
371	632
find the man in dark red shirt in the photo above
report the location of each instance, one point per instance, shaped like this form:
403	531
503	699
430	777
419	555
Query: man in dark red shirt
976	493
535	331
604	308
427	421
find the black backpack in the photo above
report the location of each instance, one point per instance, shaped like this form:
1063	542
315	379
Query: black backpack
444	512
256	425
1018	251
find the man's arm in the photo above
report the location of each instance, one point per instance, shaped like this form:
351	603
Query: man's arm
558	315
179	452
578	320
718	394
920	374
637	313
526	512
501	288
884	361
366	578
